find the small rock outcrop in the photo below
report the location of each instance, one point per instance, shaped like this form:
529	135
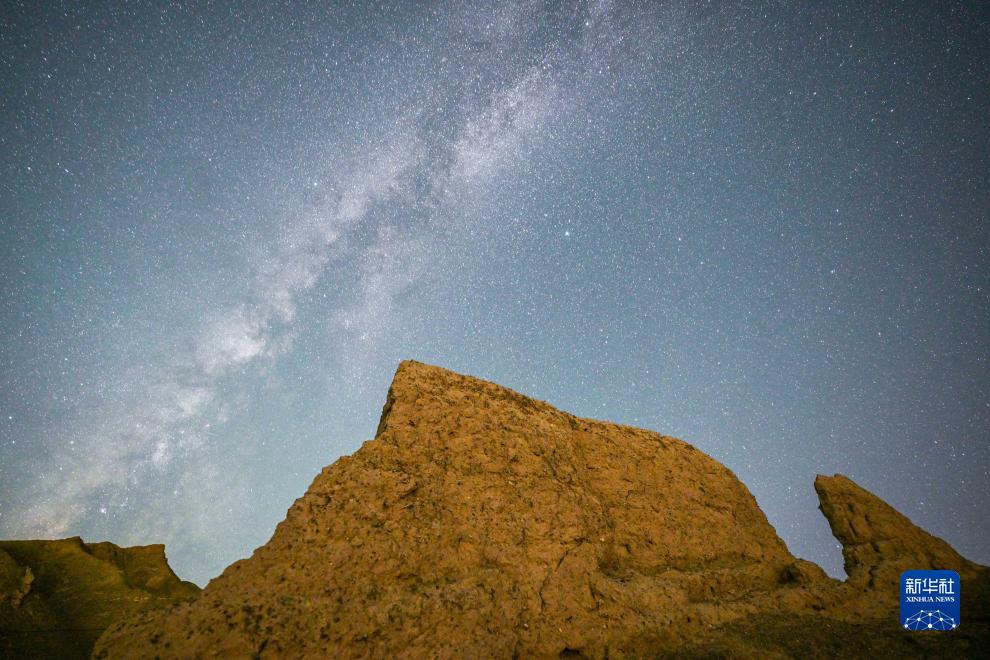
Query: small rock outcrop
878	542
57	597
482	523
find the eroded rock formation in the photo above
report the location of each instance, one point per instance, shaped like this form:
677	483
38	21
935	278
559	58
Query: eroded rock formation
56	597
482	523
878	542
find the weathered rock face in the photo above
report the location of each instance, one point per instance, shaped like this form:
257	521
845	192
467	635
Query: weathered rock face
481	523
879	543
56	597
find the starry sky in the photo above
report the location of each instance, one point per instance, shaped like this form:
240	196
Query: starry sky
759	227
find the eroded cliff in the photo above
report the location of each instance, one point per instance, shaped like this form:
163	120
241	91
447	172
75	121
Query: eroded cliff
482	523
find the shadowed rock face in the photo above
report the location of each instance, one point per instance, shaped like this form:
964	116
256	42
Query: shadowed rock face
481	523
56	597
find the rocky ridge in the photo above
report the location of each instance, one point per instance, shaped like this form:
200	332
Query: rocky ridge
56	597
482	523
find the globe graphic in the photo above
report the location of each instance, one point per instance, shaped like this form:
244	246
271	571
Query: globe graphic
929	620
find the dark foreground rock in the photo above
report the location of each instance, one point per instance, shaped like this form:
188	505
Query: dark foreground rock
481	523
56	597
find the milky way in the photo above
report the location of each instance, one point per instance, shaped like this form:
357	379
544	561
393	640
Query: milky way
760	229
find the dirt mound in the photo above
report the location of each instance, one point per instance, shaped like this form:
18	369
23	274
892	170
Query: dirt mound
482	523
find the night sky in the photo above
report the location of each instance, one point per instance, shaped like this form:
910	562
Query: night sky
762	229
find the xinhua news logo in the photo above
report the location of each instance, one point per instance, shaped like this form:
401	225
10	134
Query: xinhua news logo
930	600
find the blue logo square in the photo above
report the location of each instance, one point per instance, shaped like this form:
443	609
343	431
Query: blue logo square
930	600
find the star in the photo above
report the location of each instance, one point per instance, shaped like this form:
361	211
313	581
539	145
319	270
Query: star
218	295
